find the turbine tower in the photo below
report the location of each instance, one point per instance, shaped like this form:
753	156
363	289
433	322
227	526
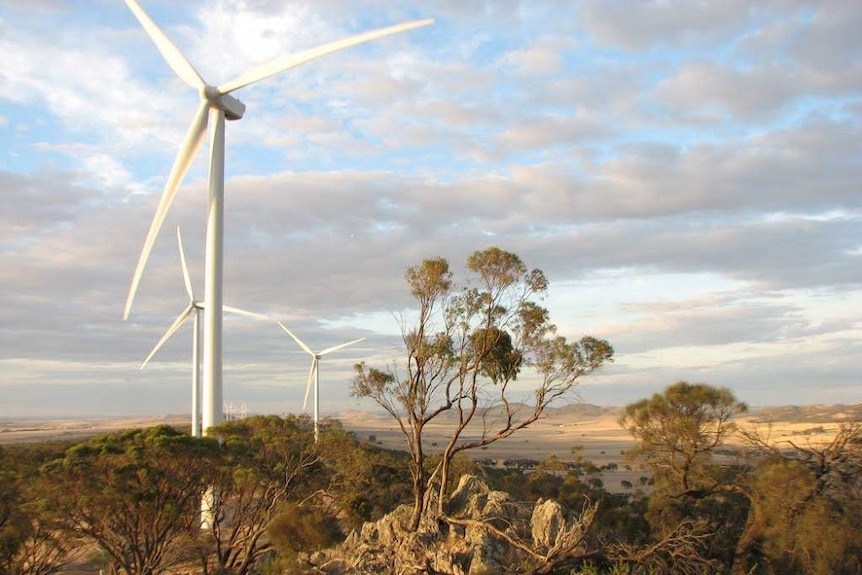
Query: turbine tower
314	373
217	105
194	307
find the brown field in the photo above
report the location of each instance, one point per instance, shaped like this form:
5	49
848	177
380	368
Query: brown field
31	430
595	433
593	430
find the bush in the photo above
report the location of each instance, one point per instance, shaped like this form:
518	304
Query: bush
297	529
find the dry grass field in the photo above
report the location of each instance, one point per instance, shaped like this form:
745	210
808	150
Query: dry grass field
595	429
592	430
595	434
30	430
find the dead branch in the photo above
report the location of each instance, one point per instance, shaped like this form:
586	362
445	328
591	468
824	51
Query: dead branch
568	544
679	551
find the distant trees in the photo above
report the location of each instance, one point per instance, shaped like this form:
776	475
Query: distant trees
465	350
13	525
362	482
678	431
136	496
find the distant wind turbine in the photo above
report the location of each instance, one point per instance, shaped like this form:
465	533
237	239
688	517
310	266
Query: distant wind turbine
216	105
194	307
314	373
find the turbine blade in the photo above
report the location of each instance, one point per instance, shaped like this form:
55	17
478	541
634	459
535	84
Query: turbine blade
186	278
184	158
169	51
343	345
296	339
171	330
244	312
314	367
283	63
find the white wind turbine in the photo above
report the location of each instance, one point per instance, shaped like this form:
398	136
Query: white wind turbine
216	105
194	307
314	373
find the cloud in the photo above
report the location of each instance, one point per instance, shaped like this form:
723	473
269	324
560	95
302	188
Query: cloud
685	173
675	23
541	59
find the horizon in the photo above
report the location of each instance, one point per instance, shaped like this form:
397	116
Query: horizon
687	176
752	409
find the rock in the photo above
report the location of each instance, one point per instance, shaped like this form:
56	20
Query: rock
443	548
546	523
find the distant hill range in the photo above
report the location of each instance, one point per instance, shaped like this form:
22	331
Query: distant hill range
808	413
787	413
582	411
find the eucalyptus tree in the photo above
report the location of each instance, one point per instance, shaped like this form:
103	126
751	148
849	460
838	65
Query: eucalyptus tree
136	494
809	498
265	462
678	433
32	541
465	351
679	430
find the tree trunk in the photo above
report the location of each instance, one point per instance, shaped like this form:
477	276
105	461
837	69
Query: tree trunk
444	481
418	479
749	537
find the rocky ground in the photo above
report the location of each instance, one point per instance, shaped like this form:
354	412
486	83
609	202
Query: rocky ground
463	544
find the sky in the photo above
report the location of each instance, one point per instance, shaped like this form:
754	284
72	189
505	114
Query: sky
687	174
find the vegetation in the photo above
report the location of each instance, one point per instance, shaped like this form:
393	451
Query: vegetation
32	541
135	494
774	508
264	464
784	509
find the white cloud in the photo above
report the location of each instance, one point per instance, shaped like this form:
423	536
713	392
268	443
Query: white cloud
686	173
537	60
673	23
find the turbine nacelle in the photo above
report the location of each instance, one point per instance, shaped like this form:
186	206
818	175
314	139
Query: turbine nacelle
233	109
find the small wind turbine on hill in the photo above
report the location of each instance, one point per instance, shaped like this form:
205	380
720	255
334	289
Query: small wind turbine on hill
217	105
194	307
314	373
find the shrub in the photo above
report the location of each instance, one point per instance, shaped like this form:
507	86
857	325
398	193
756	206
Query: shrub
298	529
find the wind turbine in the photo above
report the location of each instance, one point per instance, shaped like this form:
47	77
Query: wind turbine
314	373
217	105
194	307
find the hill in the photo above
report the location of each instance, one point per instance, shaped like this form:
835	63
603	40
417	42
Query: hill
808	414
